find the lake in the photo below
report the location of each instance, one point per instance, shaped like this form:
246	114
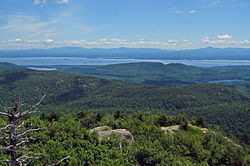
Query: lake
40	61
42	68
224	81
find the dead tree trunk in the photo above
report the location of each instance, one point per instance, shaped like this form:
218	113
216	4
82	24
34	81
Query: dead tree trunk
14	134
12	138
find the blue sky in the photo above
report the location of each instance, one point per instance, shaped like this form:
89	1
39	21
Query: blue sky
166	24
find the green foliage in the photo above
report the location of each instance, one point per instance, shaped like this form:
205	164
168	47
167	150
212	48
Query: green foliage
163	121
71	93
184	125
245	138
117	115
80	115
160	74
151	145
200	122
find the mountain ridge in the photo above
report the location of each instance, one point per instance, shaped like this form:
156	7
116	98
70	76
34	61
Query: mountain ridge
72	93
208	53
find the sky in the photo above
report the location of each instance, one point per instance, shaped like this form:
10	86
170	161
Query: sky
165	24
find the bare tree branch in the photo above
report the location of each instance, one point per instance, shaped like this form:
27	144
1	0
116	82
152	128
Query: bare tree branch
21	125
4	132
13	138
4	122
22	143
31	109
29	130
24	140
6	127
22	148
22	104
6	161
8	148
33	154
25	158
60	161
5	110
5	114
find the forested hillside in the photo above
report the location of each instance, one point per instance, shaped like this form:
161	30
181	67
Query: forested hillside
71	93
160	74
236	77
124	83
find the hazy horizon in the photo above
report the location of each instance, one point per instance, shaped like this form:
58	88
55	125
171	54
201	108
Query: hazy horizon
181	49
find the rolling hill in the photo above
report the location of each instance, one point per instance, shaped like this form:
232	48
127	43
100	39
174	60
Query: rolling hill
160	74
72	93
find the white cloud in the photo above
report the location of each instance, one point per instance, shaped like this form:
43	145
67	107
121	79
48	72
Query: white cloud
118	40
246	42
108	43
173	41
36	2
16	40
217	41
155	43
105	43
47	40
178	12
214	3
141	42
16	24
205	40
226	36
32	41
101	43
29	27
62	1
102	40
225	43
40	2
192	11
92	43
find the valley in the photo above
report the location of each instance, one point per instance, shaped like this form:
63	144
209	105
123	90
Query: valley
71	93
124	83
75	103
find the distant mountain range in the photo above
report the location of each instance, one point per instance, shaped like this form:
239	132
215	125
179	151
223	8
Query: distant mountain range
209	53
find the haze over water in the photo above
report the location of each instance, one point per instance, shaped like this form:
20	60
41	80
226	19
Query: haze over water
40	61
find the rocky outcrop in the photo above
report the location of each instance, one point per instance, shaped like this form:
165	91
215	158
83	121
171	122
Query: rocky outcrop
234	145
100	128
106	132
170	129
204	130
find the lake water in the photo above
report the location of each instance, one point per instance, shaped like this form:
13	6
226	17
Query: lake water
42	68
224	81
39	61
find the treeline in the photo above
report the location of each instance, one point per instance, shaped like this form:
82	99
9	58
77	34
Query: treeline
69	136
160	74
70	93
